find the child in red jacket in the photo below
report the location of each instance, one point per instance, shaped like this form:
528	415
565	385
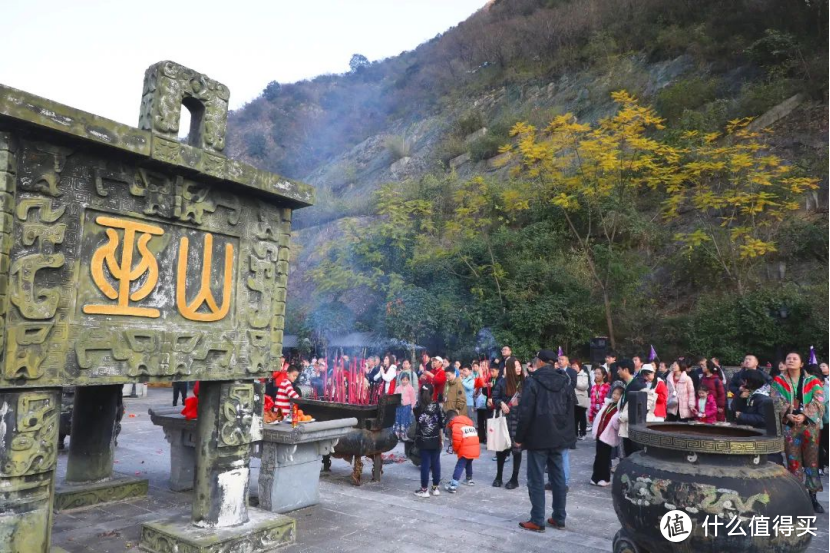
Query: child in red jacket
466	445
191	404
706	408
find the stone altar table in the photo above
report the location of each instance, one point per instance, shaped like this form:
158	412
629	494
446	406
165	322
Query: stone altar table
289	476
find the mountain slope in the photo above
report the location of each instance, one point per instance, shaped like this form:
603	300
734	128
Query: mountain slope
446	107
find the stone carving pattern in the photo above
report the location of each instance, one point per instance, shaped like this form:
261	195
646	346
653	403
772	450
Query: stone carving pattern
31	446
40	231
762	446
705	498
49	163
236	405
267	468
8	184
266	539
158	353
270	263
172	198
95	496
166	86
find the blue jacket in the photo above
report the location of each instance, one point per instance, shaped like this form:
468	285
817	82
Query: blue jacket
469	384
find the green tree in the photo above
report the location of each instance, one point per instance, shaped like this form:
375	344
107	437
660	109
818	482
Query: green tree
593	175
739	194
358	62
412	314
272	91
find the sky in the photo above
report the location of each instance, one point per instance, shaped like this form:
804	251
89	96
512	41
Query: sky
92	54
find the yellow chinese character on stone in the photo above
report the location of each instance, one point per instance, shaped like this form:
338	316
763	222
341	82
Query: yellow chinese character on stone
204	296
123	270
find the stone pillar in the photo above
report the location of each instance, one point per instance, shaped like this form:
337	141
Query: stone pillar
223	454
89	469
29	422
92	442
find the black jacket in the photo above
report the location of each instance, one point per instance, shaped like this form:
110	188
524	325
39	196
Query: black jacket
637	384
571	374
546	411
499	392
739	377
753	413
696	374
429	422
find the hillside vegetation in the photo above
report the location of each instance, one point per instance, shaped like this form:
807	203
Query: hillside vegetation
432	223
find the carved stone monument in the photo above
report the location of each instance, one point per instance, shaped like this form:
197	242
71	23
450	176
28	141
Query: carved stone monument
127	256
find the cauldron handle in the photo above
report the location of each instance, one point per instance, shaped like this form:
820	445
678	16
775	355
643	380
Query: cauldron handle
772	419
637	407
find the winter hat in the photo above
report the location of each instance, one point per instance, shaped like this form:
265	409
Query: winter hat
547	356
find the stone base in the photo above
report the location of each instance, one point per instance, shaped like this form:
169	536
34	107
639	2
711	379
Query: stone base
119	488
263	532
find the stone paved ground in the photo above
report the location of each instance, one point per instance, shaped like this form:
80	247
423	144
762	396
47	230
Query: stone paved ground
374	517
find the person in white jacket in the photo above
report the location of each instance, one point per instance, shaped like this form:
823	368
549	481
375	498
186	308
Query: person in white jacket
387	373
583	398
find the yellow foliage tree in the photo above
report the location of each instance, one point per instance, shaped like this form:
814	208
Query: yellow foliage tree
596	173
739	195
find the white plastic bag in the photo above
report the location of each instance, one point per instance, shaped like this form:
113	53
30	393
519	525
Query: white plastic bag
498	436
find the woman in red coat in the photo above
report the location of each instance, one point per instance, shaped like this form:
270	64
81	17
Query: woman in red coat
712	379
661	392
598	392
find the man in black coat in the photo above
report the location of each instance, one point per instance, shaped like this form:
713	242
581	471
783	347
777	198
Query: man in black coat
507	359
546	429
625	370
563	365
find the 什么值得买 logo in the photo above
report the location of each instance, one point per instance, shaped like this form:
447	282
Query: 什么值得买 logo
676	526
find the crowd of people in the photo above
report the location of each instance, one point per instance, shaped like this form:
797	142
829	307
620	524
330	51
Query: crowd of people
552	402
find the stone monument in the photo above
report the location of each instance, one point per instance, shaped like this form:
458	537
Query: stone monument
127	255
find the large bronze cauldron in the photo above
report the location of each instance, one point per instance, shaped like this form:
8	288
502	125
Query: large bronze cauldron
704	470
372	436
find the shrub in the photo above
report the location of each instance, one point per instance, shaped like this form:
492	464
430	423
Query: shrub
764	322
602	49
449	148
710	118
776	48
398	146
757	98
685	94
272	91
255	144
485	147
468	123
